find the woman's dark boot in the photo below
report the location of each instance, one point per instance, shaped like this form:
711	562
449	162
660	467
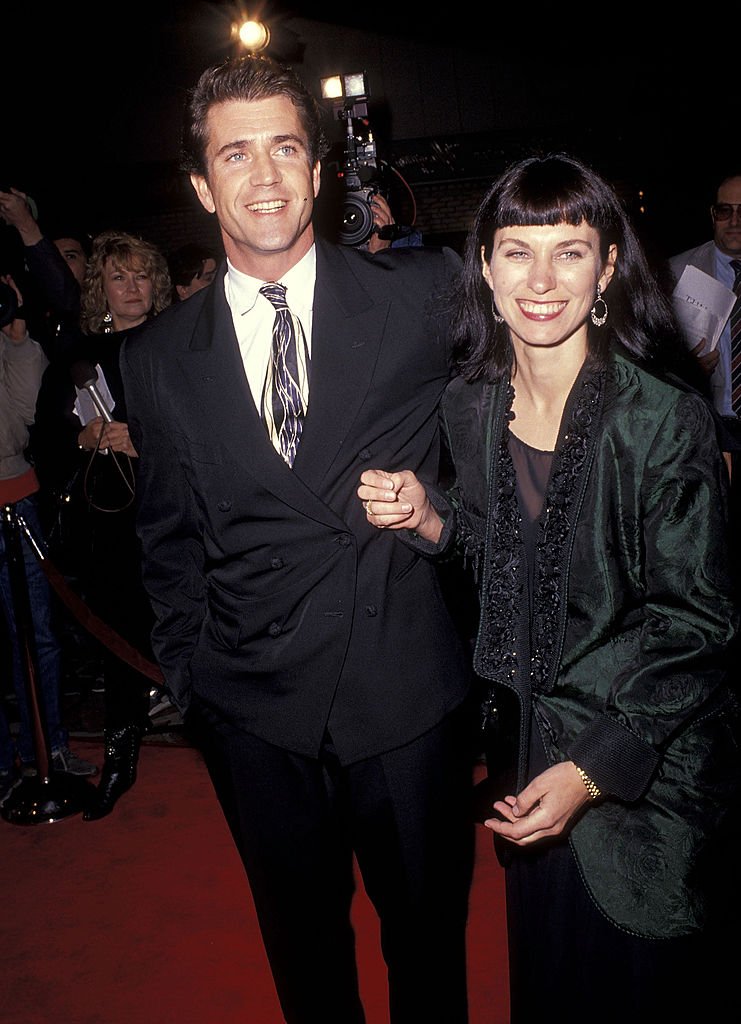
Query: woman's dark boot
119	770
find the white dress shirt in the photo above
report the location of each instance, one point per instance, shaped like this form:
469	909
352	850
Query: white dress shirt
254	315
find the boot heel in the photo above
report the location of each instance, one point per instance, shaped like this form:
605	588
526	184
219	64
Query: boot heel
119	771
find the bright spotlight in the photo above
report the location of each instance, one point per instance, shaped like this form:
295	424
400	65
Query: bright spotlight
254	35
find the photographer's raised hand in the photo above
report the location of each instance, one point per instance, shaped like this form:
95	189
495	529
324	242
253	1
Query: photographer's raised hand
382	217
15	210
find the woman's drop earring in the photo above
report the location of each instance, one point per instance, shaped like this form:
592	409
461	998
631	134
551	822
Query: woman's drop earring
597	319
497	318
107	321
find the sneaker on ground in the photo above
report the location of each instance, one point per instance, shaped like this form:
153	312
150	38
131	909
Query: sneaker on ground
62	760
8	781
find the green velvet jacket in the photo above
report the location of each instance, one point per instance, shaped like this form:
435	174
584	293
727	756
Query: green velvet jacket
620	657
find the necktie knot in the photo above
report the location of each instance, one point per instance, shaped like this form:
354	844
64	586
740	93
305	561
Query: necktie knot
275	293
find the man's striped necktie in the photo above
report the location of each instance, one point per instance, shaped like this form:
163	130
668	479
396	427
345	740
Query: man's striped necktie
286	390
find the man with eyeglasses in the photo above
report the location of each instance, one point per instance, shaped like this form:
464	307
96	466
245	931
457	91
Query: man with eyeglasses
715	258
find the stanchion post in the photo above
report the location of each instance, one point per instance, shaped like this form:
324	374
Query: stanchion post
49	795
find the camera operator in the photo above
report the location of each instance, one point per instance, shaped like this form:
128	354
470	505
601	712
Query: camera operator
386	233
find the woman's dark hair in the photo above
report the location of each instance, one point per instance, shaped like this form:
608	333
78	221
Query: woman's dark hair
249	77
558	189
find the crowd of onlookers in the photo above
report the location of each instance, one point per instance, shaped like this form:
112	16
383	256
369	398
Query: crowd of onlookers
68	470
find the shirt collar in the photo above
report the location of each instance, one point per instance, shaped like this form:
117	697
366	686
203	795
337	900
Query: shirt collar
242	290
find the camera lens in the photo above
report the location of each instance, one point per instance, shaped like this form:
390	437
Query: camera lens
357	218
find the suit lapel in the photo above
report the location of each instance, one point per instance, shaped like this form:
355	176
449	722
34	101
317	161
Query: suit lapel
223	405
347	329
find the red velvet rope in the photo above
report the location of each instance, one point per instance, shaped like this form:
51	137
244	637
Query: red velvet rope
89	620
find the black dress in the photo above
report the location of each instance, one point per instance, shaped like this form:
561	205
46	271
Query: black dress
564	954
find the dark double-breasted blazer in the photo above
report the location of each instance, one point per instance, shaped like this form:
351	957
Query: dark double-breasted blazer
277	603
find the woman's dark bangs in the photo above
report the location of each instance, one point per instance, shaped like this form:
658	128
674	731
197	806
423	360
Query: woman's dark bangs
536	206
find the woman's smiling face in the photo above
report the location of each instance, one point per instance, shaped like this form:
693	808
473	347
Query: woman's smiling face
544	280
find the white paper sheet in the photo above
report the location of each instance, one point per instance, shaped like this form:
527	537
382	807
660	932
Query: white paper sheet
702	305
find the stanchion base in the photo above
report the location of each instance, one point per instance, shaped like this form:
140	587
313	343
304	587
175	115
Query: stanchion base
37	800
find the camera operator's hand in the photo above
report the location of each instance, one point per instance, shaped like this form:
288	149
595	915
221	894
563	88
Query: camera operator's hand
381	218
15	210
14	331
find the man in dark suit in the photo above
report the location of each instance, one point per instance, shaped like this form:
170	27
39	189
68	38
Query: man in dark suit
720	258
314	654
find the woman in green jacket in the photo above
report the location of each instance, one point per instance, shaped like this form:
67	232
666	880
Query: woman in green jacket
590	496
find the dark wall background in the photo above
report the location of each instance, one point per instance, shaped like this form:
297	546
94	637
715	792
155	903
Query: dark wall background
93	100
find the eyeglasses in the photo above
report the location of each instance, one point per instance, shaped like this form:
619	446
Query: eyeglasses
723	211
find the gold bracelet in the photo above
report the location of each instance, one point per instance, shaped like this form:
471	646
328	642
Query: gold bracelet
593	791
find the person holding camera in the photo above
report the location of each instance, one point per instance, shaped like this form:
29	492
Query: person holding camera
314	658
56	260
22	364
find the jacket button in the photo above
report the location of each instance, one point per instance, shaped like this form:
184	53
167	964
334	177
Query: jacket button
343	540
224	506
364	454
276	563
371	610
274	629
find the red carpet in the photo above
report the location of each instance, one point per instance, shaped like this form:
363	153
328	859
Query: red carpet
145	917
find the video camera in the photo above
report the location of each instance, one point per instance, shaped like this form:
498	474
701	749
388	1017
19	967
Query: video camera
8	304
359	174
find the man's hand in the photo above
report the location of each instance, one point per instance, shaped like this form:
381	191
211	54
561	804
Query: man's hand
381	218
707	360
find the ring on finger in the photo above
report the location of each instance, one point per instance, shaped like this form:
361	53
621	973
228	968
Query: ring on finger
368	509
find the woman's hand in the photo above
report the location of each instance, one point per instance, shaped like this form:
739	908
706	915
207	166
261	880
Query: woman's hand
98	434
543	808
395	501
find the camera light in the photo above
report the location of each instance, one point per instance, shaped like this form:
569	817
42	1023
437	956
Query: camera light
337	87
331	88
355	84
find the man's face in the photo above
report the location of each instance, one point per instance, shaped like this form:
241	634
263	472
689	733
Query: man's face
202	279
261	184
74	255
727	232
